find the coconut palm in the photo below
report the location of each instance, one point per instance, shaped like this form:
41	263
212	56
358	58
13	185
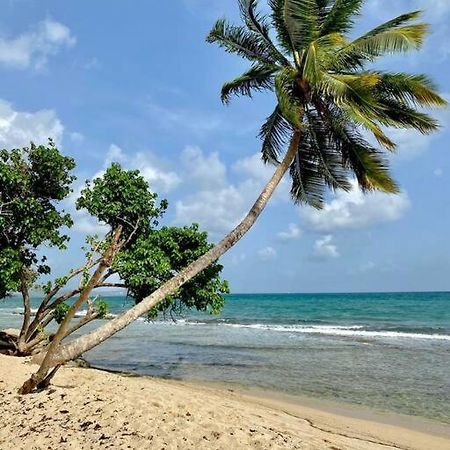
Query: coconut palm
329	101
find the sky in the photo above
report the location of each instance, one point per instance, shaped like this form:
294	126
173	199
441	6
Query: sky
136	83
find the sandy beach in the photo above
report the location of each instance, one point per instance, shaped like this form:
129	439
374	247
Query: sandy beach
91	409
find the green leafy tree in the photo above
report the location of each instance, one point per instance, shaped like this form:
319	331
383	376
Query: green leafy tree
155	257
135	249
120	199
32	183
328	98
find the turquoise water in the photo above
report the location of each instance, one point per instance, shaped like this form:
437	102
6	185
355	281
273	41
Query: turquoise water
386	351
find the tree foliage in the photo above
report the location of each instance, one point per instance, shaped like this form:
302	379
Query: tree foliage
32	183
327	90
135	248
154	258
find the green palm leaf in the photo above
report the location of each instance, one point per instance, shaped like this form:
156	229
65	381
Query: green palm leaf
327	99
289	104
308	186
257	78
340	17
301	20
275	134
258	24
410	89
389	37
239	40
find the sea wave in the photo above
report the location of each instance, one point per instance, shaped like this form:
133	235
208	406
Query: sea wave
350	331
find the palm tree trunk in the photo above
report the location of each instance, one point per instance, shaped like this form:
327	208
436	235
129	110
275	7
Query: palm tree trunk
76	348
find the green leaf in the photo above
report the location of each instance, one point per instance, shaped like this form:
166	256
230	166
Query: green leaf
301	22
288	103
258	78
239	40
340	17
275	133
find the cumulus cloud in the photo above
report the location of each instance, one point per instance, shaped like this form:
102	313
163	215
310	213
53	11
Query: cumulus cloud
76	138
350	210
293	232
159	178
324	249
207	171
267	254
33	48
19	128
220	204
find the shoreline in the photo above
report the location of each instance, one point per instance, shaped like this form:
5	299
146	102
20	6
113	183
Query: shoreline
286	401
99	409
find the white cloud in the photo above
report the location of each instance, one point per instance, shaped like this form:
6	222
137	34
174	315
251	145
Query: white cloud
324	249
84	223
410	144
76	138
220	204
254	167
206	171
438	172
217	211
19	128
267	254
160	179
294	232
33	48
349	210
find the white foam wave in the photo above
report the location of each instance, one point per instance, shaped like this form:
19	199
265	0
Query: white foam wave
350	331
337	330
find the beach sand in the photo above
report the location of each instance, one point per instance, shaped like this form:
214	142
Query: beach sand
92	409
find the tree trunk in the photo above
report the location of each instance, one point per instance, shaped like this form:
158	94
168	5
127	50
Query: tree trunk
26	310
79	346
41	377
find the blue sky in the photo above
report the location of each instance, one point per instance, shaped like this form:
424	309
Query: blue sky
135	82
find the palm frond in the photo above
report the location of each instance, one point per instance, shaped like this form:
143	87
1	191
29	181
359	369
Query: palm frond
275	134
258	24
329	157
388	38
288	102
257	78
277	17
301	20
296	23
354	94
308	186
330	163
366	162
399	115
310	64
340	17
417	90
239	40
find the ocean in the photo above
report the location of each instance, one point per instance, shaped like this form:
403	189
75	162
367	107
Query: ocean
387	351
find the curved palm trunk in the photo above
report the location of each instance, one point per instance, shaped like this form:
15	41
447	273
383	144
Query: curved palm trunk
76	348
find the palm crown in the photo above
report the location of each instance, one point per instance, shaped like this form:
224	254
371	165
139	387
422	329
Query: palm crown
325	94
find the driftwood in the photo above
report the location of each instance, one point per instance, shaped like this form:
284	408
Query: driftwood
8	342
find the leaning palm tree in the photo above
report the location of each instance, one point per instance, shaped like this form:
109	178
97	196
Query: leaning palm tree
329	99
